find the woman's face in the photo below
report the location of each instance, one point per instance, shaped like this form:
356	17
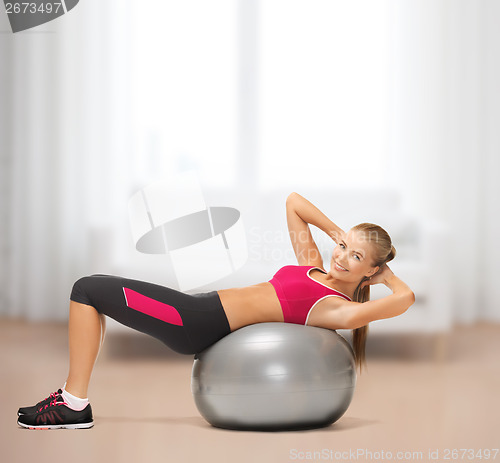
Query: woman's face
353	253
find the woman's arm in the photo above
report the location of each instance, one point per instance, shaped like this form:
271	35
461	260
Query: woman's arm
309	213
351	315
402	298
299	213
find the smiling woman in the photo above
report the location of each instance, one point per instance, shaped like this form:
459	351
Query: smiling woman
358	261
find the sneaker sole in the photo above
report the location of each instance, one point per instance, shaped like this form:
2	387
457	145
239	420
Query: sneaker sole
59	426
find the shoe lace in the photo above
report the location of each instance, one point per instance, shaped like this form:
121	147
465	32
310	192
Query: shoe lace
53	395
54	403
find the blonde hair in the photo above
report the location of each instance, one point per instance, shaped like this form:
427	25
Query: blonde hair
382	252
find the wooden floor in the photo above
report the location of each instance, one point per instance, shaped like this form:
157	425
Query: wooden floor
140	393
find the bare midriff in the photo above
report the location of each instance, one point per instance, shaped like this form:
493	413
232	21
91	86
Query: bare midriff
251	304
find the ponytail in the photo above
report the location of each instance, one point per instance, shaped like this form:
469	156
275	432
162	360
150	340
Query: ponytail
384	252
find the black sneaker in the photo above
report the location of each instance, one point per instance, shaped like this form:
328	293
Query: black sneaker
57	415
34	408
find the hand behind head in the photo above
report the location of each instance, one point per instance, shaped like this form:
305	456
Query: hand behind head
379	277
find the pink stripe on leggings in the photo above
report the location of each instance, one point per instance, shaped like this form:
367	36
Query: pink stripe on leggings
152	307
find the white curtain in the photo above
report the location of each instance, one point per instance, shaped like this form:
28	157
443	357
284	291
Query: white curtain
444	136
95	105
73	147
65	144
324	92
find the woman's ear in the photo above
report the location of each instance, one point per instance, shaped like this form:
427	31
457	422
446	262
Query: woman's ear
374	272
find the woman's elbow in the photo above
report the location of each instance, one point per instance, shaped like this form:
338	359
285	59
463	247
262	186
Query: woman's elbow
410	299
291	197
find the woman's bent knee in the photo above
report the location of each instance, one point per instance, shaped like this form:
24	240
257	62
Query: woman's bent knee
80	290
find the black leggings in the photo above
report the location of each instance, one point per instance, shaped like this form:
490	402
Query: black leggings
187	323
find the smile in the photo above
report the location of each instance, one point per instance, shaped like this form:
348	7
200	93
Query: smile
340	268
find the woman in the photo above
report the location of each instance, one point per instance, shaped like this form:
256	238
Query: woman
303	293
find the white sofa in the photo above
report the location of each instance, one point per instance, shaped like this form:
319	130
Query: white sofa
422	249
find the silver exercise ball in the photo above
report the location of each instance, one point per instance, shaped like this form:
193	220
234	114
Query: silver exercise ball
274	376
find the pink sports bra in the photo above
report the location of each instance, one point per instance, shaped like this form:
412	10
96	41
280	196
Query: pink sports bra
298	292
